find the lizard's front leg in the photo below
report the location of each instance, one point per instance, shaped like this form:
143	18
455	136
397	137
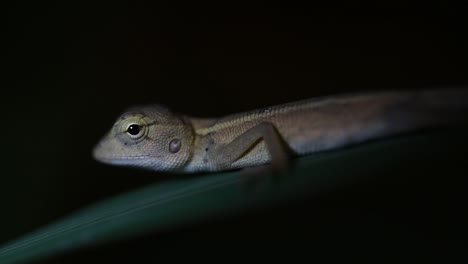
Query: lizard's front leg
279	153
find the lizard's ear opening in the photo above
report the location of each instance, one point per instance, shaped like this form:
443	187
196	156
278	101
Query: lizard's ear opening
175	145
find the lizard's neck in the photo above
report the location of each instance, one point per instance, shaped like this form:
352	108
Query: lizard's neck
200	143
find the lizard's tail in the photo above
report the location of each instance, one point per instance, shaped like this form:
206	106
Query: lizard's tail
445	100
431	108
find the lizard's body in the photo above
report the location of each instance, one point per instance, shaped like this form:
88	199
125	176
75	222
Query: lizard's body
307	126
186	144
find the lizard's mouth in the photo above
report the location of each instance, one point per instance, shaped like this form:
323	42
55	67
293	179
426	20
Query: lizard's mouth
121	160
105	155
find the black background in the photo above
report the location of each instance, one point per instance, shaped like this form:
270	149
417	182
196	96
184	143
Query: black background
73	66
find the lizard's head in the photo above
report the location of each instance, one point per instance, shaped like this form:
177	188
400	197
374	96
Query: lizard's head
150	137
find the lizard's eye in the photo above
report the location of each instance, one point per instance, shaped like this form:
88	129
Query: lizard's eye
133	129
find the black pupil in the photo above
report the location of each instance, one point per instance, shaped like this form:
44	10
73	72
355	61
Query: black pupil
133	129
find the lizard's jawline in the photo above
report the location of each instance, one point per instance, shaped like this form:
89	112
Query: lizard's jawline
124	160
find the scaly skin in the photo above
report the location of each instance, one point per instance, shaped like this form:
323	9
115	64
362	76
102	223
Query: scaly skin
168	141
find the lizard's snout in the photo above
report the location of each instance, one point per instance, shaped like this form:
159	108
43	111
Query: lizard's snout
101	151
97	152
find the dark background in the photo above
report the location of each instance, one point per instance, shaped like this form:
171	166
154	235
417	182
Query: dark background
73	66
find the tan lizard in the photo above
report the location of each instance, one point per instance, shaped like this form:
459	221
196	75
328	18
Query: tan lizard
153	137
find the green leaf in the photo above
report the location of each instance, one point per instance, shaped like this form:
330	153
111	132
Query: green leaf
183	201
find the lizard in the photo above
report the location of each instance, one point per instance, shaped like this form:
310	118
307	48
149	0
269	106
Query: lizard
156	138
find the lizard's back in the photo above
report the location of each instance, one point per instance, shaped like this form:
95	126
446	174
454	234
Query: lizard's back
330	122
